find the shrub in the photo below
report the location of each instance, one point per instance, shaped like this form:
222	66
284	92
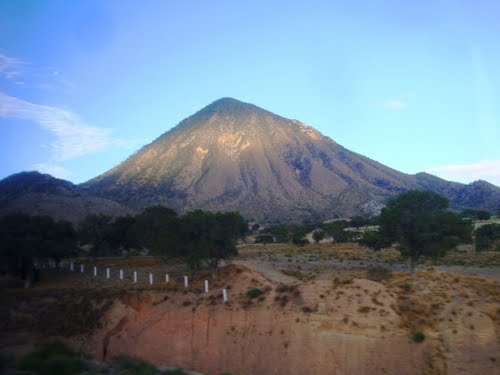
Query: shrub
61	365
55	358
136	366
253	293
417	336
378	273
177	371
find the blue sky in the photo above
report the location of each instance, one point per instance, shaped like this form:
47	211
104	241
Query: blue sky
413	85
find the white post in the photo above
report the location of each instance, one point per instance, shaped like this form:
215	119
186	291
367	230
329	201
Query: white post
224	295
121	274
71	267
107	273
95	271
185	281
206	286
81	268
151	278
135	276
166	278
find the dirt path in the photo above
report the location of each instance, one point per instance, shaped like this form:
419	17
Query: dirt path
267	270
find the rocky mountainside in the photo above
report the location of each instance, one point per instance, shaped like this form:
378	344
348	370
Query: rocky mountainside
41	194
235	156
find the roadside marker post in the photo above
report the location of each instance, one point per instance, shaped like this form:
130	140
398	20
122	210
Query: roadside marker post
185	281
151	279
95	271
135	276
121	274
167	278
206	286
224	295
107	273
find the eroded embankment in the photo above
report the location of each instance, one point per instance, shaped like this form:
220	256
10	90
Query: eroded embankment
343	326
348	326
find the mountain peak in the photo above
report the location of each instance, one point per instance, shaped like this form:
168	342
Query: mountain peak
230	106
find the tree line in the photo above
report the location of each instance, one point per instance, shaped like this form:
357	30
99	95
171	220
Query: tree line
201	238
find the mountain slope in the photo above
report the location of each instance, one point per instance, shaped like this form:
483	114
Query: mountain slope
236	156
41	194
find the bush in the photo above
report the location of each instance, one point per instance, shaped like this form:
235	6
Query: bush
378	273
61	365
177	371
136	366
55	358
417	336
253	293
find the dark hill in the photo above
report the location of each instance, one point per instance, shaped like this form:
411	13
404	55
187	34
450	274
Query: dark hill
41	194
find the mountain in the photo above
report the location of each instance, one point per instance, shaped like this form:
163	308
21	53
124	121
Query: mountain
41	194
236	156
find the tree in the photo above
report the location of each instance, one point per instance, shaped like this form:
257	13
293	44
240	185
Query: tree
148	225
24	238
202	238
375	240
417	220
318	235
95	230
264	238
210	237
488	237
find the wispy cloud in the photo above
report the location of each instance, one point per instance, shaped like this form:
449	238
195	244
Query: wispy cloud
11	68
73	137
396	104
24	74
488	170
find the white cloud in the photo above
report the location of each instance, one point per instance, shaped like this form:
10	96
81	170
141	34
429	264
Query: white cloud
395	104
54	170
19	72
488	170
11	68
73	137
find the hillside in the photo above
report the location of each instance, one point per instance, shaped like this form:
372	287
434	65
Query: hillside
236	156
41	194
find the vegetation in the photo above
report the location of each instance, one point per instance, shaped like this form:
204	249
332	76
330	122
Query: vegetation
378	273
253	293
475	214
264	238
135	366
488	237
417	220
54	359
418	336
24	239
318	235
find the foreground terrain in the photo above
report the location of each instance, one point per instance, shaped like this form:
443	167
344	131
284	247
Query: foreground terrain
314	310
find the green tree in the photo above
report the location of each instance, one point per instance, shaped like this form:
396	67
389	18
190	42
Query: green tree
488	237
24	238
375	240
210	237
318	235
95	229
149	225
417	220
264	238
335	229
